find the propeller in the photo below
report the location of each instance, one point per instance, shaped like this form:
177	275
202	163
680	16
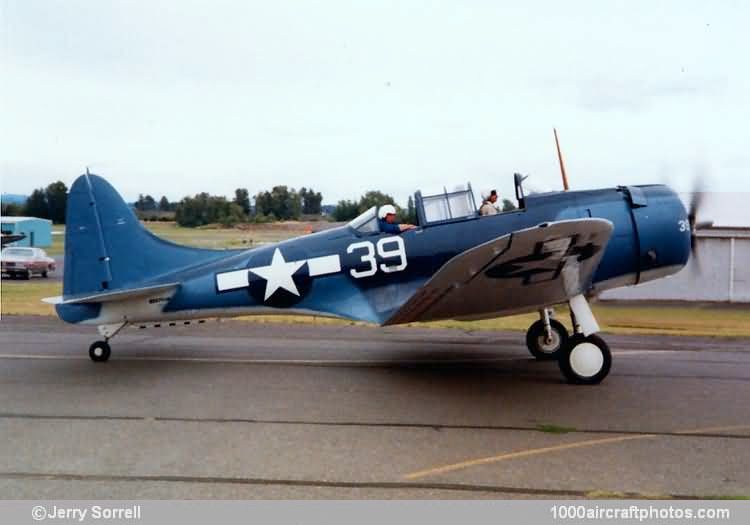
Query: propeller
697	199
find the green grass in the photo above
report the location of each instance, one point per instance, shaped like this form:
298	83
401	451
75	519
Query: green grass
202	238
609	494
685	320
244	236
618	318
709	321
554	429
23	297
58	241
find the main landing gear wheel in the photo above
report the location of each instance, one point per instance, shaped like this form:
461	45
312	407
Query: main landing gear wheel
540	346
585	360
99	351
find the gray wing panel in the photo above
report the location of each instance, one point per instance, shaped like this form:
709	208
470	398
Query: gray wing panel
521	271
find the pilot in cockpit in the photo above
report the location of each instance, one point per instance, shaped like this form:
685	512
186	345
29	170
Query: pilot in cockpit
387	220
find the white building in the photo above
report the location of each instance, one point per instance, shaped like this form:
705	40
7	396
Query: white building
720	272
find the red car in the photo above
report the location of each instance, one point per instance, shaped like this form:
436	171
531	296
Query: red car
24	262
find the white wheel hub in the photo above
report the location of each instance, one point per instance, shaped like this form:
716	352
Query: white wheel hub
586	359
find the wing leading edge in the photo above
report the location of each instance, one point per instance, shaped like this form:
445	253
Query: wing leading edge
520	271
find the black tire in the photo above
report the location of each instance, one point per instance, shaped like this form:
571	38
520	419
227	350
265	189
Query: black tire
44	274
27	275
587	368
99	351
536	340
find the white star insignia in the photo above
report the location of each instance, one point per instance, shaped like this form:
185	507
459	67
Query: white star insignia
279	274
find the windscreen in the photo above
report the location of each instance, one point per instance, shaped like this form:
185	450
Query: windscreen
367	222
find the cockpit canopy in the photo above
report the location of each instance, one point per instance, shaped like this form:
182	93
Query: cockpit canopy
445	207
431	209
449	206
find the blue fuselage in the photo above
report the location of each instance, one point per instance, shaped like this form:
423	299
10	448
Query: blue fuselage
651	239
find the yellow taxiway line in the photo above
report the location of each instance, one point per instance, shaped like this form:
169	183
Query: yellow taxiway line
556	448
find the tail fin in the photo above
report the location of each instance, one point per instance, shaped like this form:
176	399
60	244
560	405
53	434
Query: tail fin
107	248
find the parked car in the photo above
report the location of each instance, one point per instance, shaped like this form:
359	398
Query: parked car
24	262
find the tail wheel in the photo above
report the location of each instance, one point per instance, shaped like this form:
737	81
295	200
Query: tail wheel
543	348
585	360
99	351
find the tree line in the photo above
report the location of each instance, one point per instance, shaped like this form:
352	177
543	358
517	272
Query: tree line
280	203
148	203
45	203
346	210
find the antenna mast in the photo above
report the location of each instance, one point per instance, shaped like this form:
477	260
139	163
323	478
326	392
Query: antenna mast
562	164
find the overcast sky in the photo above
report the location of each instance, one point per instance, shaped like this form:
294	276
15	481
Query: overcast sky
180	97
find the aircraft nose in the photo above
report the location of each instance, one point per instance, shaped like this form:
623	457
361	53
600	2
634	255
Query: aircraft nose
663	231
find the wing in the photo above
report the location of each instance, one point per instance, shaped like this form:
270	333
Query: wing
521	271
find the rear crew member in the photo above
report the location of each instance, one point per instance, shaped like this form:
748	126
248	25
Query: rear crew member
387	220
488	203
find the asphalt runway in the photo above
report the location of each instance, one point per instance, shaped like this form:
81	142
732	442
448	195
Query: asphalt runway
245	410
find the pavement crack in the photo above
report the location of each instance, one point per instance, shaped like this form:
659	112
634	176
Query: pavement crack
392	485
370	424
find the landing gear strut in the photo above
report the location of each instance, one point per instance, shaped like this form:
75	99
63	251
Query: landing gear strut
547	337
99	351
585	359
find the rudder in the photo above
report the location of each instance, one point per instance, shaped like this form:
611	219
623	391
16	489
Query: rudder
107	248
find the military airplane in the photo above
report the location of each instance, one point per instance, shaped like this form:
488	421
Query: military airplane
556	248
9	237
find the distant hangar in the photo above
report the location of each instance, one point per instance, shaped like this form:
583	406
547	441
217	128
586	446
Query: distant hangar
719	273
37	232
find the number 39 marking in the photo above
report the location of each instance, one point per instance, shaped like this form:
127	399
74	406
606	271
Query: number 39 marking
384	252
684	225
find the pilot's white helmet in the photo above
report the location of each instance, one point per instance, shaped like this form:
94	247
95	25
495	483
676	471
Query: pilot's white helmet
486	194
385	210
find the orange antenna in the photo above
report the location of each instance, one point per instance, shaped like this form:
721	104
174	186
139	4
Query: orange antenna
562	164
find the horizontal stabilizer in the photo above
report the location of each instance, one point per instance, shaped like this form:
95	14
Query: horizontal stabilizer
118	295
